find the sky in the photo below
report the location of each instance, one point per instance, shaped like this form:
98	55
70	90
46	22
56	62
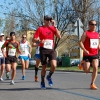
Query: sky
1	3
4	4
2	10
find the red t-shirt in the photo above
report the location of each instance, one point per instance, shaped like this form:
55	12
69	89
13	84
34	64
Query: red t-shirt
91	43
45	33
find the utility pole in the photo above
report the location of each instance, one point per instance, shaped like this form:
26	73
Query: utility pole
98	22
79	32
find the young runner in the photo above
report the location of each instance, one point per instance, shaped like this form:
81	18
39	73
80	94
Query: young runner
12	47
37	56
25	49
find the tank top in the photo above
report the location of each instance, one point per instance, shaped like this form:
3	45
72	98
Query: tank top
1	43
91	43
24	48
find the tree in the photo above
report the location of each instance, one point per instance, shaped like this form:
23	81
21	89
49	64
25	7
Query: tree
1	24
65	12
34	11
86	10
10	22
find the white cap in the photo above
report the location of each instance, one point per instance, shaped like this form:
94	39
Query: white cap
1	34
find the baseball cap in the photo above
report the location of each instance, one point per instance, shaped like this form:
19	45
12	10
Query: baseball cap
47	17
1	34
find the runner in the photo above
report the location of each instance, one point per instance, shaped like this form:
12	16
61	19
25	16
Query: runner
89	43
37	56
25	49
46	35
12	47
2	58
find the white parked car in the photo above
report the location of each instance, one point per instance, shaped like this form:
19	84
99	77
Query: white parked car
32	61
74	62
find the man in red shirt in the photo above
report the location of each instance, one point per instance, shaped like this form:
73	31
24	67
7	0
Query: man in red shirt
89	43
45	35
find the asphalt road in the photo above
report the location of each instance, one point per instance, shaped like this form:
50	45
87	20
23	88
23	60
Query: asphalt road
67	86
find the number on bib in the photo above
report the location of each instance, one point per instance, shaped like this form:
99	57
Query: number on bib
48	44
12	52
94	43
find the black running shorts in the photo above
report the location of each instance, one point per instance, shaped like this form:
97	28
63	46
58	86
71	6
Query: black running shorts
90	58
47	53
10	59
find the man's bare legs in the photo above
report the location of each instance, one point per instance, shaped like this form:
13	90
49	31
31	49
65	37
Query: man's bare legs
95	63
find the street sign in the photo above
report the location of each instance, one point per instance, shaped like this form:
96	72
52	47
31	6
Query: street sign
78	31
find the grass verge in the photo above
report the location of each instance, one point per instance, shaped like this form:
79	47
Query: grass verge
60	68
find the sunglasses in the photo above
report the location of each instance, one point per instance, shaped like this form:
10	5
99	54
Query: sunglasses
24	37
1	35
48	19
93	24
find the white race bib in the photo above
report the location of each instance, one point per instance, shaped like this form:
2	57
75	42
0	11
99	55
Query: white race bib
94	43
22	51
12	52
48	44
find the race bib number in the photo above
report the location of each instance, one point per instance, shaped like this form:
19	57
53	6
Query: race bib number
48	44
22	51
12	52
94	43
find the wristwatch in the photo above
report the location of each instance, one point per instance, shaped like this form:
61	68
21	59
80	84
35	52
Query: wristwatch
55	26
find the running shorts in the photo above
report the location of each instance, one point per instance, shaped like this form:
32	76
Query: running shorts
37	56
47	53
24	57
2	60
90	58
10	59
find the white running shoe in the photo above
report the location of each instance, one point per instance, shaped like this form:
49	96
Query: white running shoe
12	82
1	79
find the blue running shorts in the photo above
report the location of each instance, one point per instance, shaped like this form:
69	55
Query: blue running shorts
37	56
24	57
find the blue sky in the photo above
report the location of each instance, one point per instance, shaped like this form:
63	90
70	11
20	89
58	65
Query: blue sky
4	3
1	3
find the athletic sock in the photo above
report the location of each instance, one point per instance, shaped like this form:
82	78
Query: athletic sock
36	70
50	74
42	78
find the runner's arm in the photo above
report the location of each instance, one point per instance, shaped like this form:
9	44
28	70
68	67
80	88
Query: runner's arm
56	30
57	33
30	47
18	48
2	48
34	44
83	37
